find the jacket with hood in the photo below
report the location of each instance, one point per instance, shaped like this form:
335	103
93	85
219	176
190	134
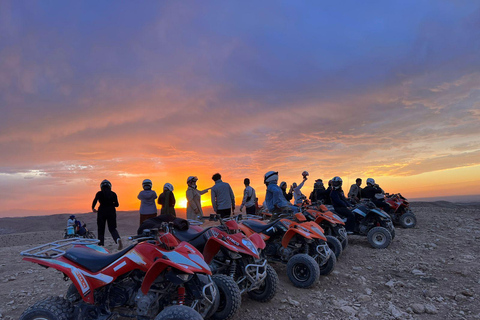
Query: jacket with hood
147	202
193	202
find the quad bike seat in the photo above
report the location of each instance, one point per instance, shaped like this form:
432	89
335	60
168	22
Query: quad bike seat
258	226
91	259
192	236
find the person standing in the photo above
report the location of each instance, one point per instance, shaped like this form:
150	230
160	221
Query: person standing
107	213
167	200
355	192
223	200
194	205
249	198
148	208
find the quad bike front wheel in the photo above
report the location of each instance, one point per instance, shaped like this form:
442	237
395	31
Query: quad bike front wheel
229	296
51	308
379	237
178	313
267	289
303	271
335	245
408	220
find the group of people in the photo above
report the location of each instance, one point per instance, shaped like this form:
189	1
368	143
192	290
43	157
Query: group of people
277	200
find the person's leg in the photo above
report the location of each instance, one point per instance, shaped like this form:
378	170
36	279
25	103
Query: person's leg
349	215
224	213
251	210
101	228
112	226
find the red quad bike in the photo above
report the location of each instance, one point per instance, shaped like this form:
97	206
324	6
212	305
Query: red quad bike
333	226
299	244
401	211
154	278
235	262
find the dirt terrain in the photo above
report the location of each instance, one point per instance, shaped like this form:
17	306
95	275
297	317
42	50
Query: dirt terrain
429	272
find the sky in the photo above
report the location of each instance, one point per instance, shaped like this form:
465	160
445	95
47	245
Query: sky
124	91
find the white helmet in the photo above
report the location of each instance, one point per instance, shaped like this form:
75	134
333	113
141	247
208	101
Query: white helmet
147	184
105	183
270	176
305	174
370	181
337	182
168	186
191	178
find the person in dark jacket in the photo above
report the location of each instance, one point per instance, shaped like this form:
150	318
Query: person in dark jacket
319	193
288	196
167	200
328	200
373	192
107	213
341	205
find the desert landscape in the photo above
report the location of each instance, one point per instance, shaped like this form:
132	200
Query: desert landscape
429	272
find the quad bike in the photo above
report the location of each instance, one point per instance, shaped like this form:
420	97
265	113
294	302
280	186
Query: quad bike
299	244
333	226
235	262
373	223
154	278
401	212
73	232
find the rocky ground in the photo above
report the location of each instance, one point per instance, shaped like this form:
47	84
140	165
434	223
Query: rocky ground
429	272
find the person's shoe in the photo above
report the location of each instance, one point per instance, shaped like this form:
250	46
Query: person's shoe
120	244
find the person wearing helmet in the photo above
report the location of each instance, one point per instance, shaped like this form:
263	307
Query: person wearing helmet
249	198
288	196
107	214
341	205
148	208
373	192
194	204
223	199
274	199
167	200
355	192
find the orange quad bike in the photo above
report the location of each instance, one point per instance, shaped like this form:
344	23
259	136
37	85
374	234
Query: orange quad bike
296	242
332	224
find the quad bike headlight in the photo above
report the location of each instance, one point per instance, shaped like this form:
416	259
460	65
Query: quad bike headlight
249	244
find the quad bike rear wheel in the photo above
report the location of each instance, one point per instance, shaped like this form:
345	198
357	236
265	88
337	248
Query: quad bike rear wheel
229	296
51	308
267	289
178	313
379	237
407	220
335	245
303	271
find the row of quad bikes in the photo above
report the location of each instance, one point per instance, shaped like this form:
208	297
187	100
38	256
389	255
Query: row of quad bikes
168	273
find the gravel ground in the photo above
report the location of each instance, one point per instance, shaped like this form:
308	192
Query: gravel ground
429	272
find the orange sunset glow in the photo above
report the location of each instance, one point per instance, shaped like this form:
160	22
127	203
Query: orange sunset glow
91	91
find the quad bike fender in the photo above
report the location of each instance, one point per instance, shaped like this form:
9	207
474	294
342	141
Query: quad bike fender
292	232
316	230
157	268
85	282
212	247
245	230
257	241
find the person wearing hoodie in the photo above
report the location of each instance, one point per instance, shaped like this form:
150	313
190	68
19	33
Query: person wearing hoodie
167	200
223	199
107	214
194	204
148	208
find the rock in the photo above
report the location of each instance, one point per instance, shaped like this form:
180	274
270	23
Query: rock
397	314
293	302
364	298
368	291
467	292
418	272
460	297
311	316
418	308
390	284
430	309
357	268
349	310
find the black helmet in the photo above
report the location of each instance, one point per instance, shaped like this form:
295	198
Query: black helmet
105	183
